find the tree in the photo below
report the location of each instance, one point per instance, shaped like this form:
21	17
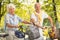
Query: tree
22	10
0	10
54	9
37	1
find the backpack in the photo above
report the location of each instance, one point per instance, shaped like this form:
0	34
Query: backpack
19	34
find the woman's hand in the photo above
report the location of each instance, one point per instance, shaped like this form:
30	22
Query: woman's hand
16	26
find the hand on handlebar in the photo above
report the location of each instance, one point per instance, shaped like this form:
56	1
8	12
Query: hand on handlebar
16	26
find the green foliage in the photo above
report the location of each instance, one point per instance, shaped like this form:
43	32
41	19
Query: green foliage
48	7
24	11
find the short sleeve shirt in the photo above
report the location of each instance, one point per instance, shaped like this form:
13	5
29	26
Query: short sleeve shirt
13	20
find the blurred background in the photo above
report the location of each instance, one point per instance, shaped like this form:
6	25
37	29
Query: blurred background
24	8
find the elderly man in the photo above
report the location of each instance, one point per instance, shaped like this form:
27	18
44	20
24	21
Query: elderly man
12	21
37	18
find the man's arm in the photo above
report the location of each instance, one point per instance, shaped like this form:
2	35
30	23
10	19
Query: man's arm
36	24
51	21
32	21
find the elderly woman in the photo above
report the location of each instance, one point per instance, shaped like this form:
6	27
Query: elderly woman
12	21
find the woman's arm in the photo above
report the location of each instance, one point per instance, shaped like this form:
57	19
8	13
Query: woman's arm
11	26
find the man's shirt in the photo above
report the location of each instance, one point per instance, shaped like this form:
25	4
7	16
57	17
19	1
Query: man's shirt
43	16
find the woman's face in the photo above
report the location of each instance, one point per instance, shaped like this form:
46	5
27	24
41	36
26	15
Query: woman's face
11	10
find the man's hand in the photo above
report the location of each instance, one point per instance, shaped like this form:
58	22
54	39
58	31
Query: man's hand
51	21
53	28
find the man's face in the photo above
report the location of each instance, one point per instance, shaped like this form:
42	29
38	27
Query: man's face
11	10
37	6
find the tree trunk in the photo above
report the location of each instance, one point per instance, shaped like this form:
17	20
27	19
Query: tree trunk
54	9
37	1
0	11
